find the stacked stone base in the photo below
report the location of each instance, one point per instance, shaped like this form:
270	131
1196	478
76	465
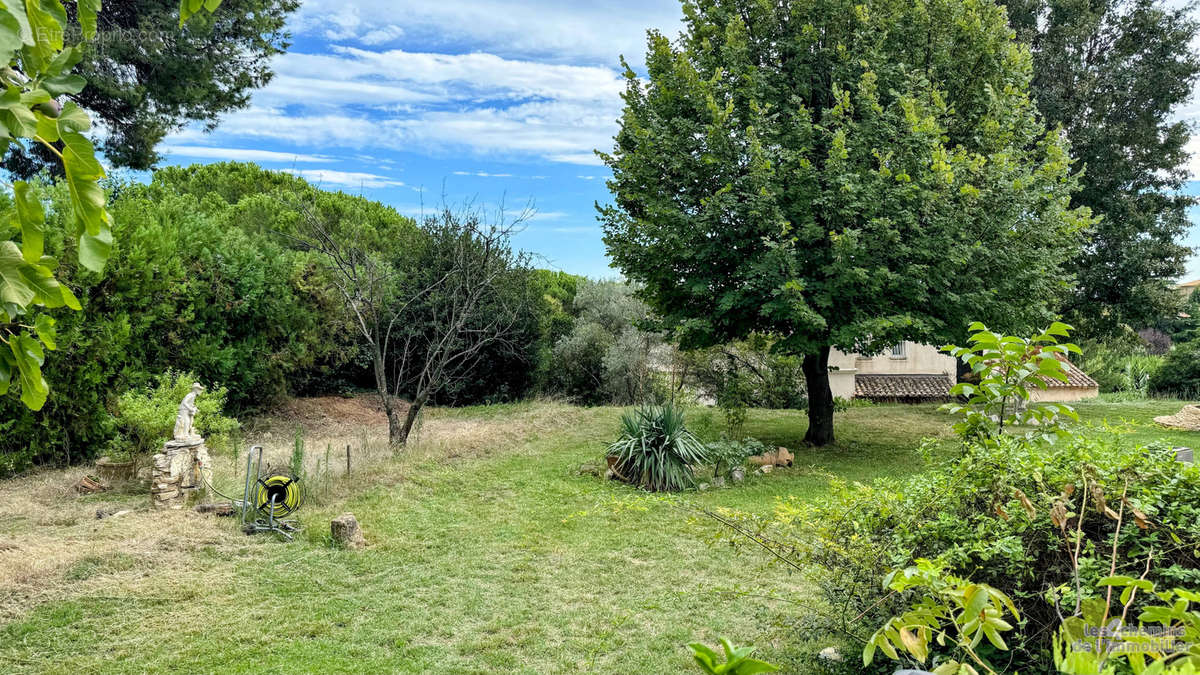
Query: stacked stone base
181	473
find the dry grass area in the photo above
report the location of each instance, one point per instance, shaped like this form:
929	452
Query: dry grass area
53	545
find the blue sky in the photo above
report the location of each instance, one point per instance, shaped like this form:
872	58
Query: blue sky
407	101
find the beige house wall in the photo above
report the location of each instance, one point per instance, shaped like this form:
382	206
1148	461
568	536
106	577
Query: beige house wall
1063	394
918	359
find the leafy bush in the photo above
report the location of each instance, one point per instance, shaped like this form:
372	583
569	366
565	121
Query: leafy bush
952	612
726	455
1119	367
748	374
146	416
1003	370
1180	372
1036	522
656	451
606	358
203	278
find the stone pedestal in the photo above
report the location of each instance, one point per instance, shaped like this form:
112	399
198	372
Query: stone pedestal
181	472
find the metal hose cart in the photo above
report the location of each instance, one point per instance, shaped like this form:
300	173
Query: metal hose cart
268	498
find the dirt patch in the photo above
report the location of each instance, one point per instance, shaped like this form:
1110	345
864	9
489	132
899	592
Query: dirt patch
321	412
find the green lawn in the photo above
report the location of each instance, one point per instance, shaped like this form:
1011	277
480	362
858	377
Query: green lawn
500	559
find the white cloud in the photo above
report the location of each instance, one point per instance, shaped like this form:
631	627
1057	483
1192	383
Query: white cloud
1193	150
351	179
483	174
548	215
591	32
382	35
432	103
240	154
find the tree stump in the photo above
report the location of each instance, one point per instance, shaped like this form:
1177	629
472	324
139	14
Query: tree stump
346	531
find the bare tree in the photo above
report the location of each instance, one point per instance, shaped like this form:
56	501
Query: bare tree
429	311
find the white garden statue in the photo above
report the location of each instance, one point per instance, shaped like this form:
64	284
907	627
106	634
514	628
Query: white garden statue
187	415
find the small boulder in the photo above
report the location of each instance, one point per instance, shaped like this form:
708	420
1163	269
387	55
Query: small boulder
347	532
831	654
589	470
783	457
737	475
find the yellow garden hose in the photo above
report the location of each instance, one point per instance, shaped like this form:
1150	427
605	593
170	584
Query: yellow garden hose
286	492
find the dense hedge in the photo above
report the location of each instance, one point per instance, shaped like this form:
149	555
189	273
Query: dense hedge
204	278
989	515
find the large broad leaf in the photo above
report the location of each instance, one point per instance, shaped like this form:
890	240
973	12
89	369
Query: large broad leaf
69	298
10	34
57	85
44	327
15	113
47	19
6	368
91	219
64	61
47	127
13	286
88	11
95	249
16	8
47	290
30	357
73	118
188	8
31	218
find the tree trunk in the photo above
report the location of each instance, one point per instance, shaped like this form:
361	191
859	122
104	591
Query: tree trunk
820	398
397	432
401	436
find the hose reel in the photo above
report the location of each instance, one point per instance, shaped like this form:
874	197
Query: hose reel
269	498
278	495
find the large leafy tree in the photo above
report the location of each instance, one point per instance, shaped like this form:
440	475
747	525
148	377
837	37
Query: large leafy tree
147	75
839	174
1113	74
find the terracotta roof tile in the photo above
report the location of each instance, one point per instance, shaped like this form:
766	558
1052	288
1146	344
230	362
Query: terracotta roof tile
890	386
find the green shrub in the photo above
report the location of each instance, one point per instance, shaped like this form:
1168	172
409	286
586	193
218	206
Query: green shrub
1119	367
1004	368
1180	372
605	357
656	451
146	415
748	374
1006	514
726	455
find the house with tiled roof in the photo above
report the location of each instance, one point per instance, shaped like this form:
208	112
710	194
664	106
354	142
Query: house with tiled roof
911	372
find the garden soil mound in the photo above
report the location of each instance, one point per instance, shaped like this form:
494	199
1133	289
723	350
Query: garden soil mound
1187	419
360	409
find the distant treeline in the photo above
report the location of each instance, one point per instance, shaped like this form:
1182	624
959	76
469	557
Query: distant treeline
205	278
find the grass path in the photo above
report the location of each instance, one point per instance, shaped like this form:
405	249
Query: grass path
487	555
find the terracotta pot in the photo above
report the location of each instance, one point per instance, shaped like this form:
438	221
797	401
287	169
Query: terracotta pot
612	465
112	471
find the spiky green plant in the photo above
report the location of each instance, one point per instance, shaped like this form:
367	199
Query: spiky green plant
656	451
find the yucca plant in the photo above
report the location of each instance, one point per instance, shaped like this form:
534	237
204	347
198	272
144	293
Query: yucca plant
656	451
